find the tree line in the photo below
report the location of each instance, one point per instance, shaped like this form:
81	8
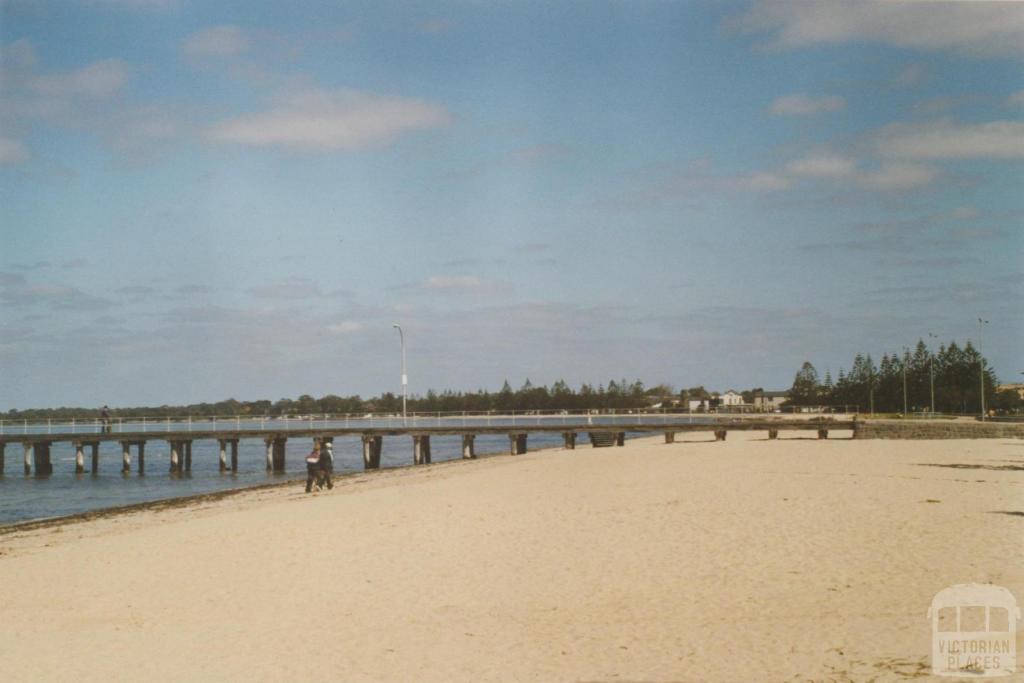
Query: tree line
616	395
956	373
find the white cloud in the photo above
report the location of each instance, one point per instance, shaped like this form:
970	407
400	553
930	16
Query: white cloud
763	182
804	105
97	80
453	282
973	27
822	166
218	41
12	151
324	120
898	176
293	288
946	139
345	327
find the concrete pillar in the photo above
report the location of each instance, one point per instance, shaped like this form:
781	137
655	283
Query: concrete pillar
175	455
270	453
468	446
142	458
44	467
670	437
822	433
620	438
372	447
79	458
278	454
126	457
367	453
188	455
234	455
517	443
719	435
223	454
28	458
421	449
773	433
570	440
95	457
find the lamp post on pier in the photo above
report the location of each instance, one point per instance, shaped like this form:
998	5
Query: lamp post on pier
405	378
981	368
931	370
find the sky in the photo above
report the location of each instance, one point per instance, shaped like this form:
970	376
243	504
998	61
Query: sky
239	199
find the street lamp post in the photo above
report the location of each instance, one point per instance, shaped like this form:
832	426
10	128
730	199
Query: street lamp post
906	357
931	370
405	378
981	368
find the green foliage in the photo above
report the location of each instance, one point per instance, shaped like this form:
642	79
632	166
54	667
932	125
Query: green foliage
956	373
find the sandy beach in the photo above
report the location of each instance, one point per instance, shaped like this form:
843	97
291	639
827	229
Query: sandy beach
748	560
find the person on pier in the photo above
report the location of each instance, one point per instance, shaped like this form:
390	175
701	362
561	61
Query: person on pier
105	419
313	466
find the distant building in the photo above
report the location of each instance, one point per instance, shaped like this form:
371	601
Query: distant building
698	405
770	401
730	398
1019	388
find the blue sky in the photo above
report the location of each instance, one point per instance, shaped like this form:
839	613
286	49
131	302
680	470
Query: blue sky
238	199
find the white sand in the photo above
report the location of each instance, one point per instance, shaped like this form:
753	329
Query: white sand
749	560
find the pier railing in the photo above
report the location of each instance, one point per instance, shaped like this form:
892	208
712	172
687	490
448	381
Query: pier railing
279	423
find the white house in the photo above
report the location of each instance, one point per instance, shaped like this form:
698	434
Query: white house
770	401
730	398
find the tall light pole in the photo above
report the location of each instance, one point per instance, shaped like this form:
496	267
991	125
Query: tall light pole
981	368
906	357
931	369
405	378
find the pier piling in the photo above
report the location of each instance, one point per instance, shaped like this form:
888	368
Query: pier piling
126	457
421	449
223	454
175	455
670	437
372	446
620	438
188	455
3	446
28	458
234	455
773	433
468	446
95	457
517	443
822	433
79	458
569	438
142	458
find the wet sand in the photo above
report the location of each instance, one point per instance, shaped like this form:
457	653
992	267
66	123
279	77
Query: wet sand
794	559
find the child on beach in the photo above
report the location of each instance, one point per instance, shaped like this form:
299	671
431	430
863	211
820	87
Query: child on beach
312	466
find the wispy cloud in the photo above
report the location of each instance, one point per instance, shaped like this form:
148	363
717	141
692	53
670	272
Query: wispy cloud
331	120
983	28
947	139
215	42
806	105
12	151
17	291
294	288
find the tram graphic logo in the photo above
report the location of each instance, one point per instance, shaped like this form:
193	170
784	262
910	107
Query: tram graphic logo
974	631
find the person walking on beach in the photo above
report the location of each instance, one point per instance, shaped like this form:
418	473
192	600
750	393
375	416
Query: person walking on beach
326	466
313	466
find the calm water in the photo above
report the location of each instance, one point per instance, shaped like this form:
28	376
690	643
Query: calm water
65	493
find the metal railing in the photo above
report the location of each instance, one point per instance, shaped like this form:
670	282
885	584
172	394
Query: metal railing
278	423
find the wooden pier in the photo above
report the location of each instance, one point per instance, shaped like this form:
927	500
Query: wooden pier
36	447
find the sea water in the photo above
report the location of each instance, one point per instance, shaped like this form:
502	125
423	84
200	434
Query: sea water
65	493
